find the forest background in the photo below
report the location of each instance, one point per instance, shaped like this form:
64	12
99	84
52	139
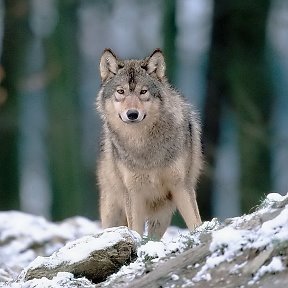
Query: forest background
229	58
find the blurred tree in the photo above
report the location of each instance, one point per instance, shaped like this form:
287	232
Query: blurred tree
15	38
169	49
170	33
64	138
278	56
238	75
34	182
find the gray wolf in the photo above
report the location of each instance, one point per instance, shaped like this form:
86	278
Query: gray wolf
151	156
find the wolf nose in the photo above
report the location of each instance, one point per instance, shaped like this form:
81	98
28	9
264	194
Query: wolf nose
132	114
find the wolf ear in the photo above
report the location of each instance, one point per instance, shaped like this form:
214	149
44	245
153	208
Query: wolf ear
156	64
108	64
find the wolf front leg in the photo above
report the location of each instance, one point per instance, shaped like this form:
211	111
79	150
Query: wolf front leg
186	203
159	222
135	210
112	190
112	214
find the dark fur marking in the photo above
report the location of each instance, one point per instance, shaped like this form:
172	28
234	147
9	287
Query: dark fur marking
154	90
102	143
131	80
114	149
109	51
144	66
118	149
154	205
156	51
120	65
190	128
169	196
154	224
159	96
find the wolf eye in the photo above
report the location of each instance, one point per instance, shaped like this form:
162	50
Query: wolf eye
143	91
120	91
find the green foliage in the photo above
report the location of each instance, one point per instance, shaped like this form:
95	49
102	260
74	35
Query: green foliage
170	33
12	59
238	76
64	137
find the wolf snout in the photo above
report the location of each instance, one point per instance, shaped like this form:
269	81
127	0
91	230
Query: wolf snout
132	115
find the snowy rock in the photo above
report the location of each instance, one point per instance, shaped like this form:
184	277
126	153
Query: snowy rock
94	257
246	251
23	237
61	280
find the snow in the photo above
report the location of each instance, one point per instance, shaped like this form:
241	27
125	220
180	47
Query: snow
21	232
76	238
21	224
80	226
130	272
275	197
175	277
62	279
4	276
80	249
174	241
229	238
274	266
228	241
152	249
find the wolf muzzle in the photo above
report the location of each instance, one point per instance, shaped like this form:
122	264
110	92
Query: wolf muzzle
132	116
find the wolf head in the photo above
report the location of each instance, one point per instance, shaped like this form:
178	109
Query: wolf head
131	89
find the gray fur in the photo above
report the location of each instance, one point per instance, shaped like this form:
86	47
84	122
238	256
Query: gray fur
167	138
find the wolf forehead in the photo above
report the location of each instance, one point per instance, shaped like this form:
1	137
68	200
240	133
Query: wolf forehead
132	72
150	69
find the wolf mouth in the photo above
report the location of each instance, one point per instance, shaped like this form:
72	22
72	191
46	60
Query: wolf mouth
132	121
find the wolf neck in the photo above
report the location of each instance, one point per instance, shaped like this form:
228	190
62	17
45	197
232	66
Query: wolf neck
148	146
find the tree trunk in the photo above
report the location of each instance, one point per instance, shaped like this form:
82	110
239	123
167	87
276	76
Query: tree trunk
14	46
238	75
170	33
64	138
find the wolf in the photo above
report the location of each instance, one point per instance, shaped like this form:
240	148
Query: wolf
151	154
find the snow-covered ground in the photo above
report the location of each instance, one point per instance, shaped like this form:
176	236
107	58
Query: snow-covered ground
24	237
230	240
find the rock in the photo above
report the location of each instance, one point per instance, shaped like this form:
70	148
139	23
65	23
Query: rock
248	251
23	237
94	257
62	279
